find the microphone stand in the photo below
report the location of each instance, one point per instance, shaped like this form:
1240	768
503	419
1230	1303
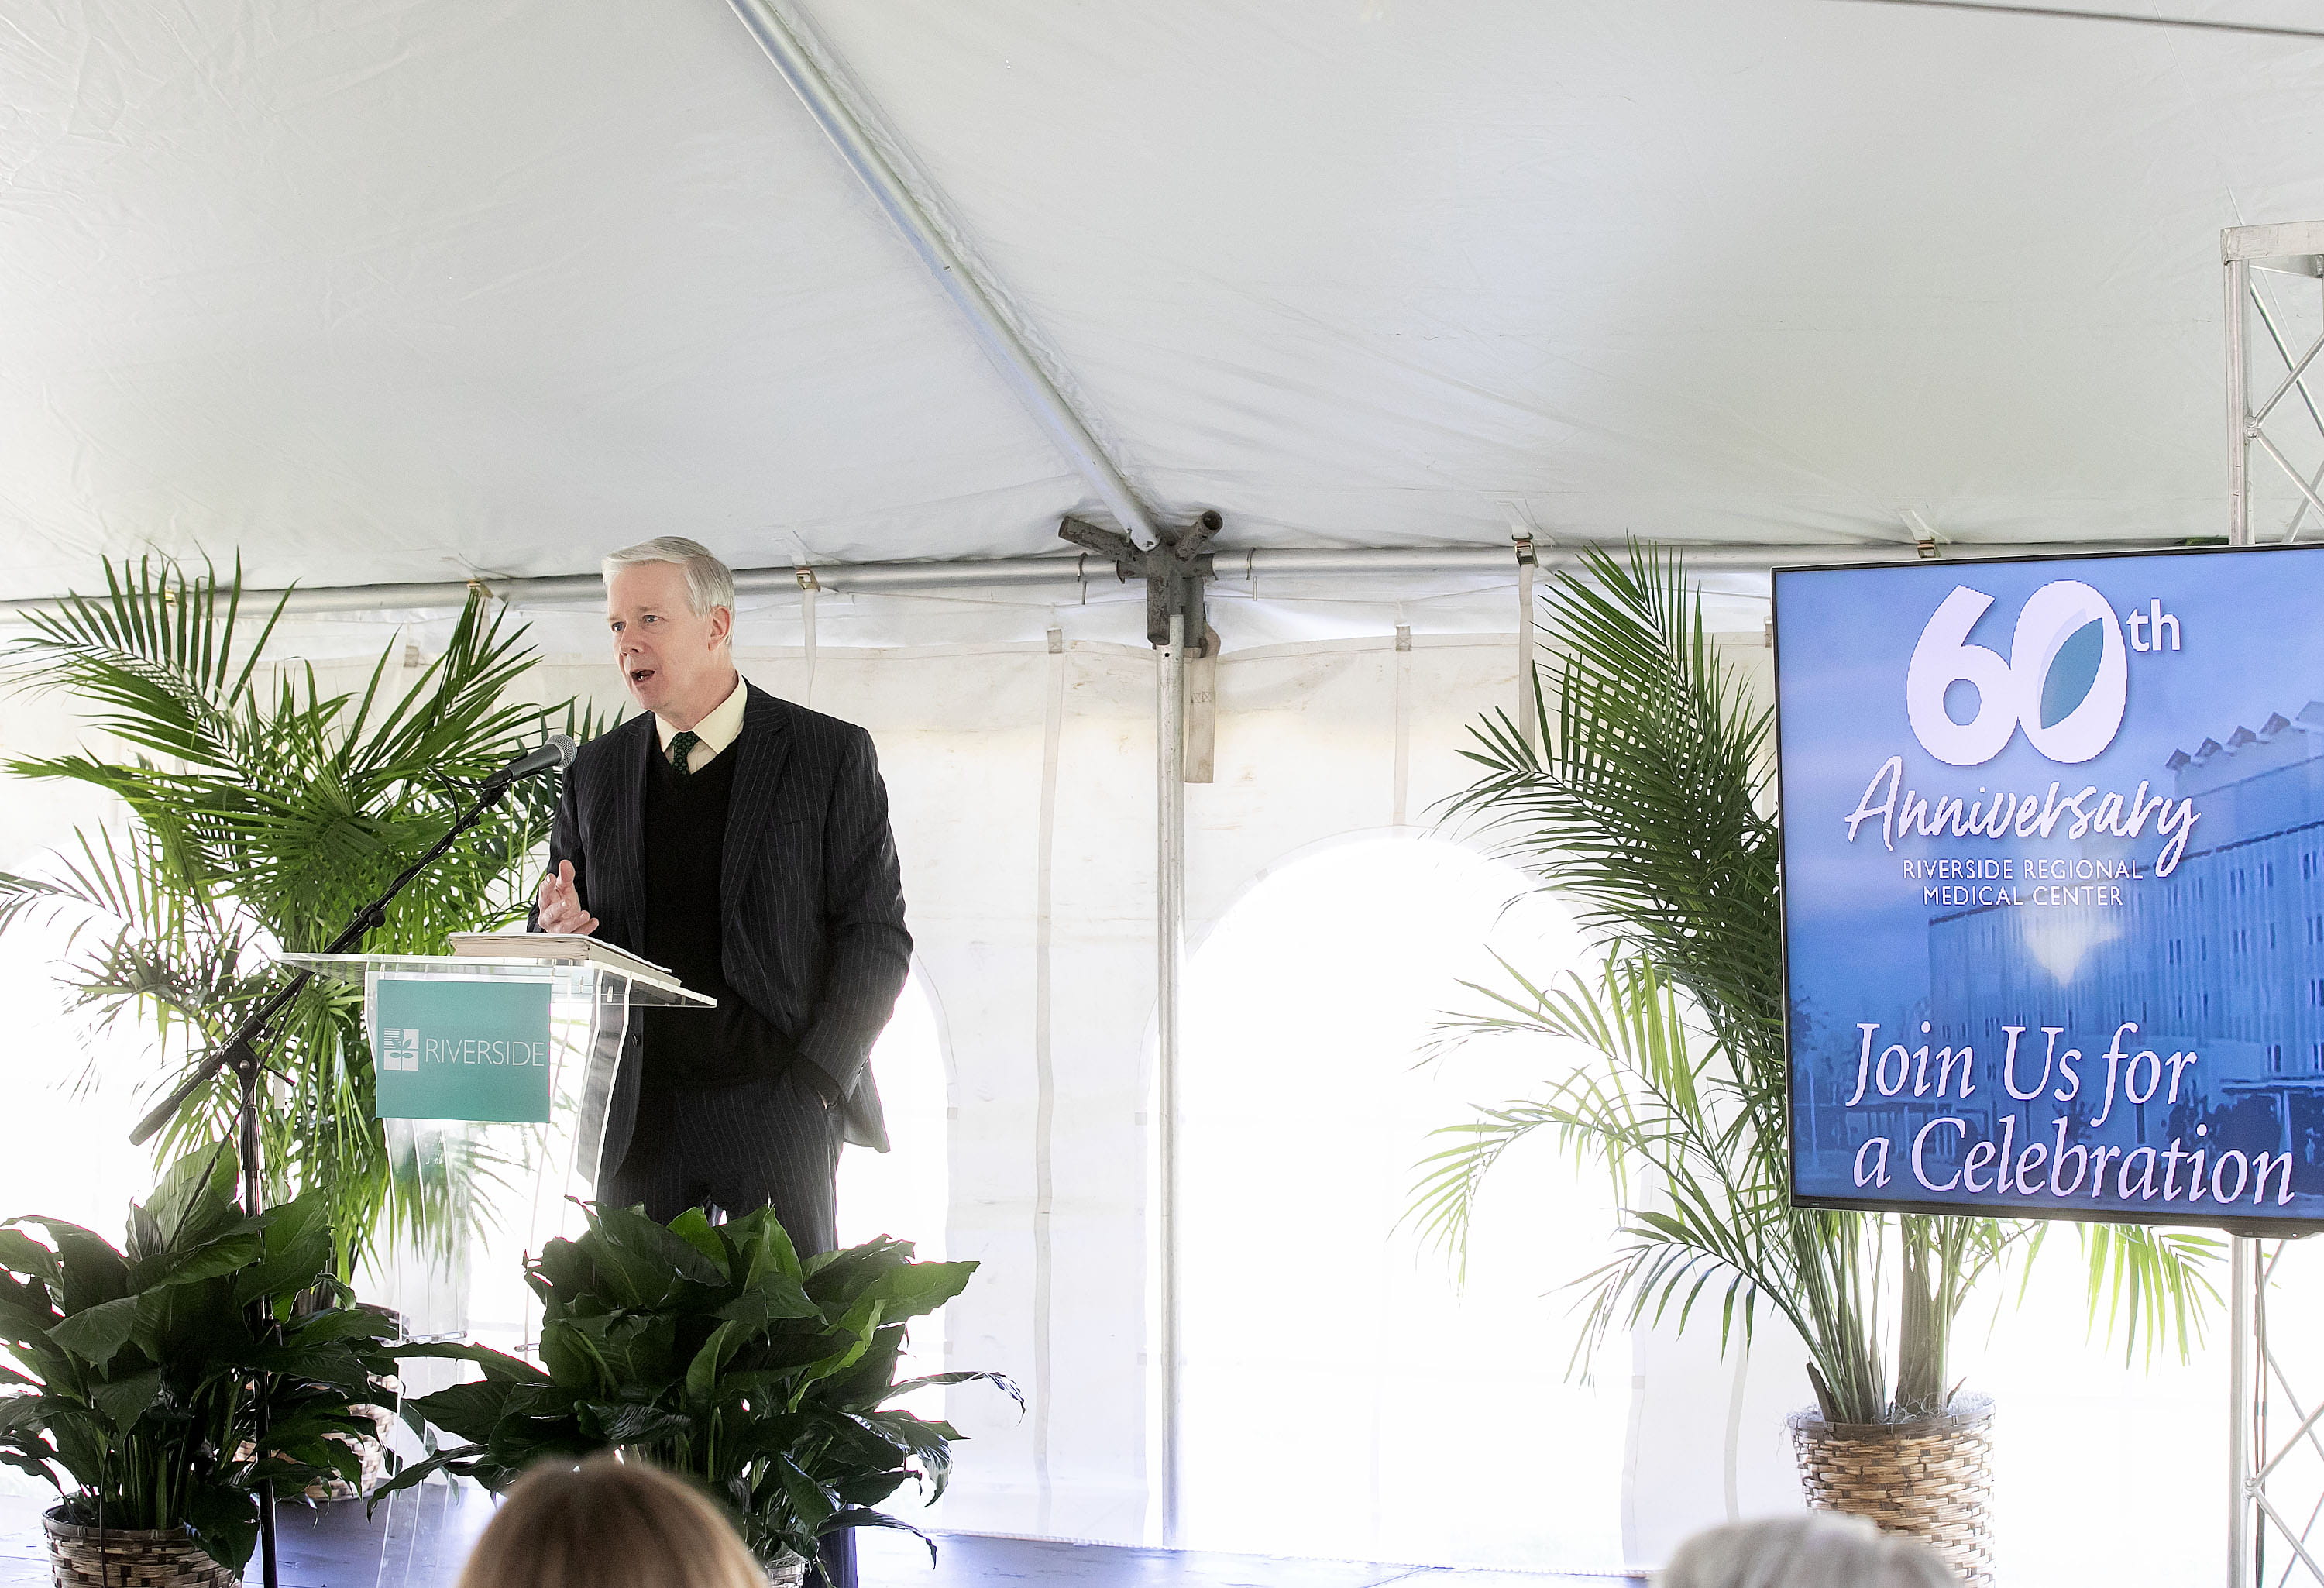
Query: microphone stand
240	1051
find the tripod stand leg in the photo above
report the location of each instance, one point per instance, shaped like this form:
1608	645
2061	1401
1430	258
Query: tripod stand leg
268	1567
246	1073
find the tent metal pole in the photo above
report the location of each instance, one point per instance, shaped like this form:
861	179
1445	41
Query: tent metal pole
811	69
2238	283
2242	1250
1227	569
1170	925
1528	674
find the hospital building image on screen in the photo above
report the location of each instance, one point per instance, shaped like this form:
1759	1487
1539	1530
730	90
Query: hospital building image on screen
2225	958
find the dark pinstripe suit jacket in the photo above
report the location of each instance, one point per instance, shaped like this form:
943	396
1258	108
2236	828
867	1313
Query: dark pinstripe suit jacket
812	899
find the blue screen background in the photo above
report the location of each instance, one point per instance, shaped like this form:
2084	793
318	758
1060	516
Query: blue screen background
2223	958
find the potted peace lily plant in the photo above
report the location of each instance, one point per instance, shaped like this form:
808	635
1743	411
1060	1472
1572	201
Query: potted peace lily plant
135	1395
1649	808
716	1352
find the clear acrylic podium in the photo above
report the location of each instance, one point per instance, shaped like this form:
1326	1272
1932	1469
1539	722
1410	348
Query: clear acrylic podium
540	1168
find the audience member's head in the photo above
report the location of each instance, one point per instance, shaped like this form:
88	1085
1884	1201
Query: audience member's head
1821	1549
603	1523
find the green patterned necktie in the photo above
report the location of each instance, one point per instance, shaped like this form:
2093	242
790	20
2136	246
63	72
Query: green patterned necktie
681	745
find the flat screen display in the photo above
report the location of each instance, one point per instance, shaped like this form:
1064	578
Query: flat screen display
2053	885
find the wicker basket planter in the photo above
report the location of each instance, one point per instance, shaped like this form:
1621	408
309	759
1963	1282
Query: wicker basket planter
129	1557
790	1571
1932	1479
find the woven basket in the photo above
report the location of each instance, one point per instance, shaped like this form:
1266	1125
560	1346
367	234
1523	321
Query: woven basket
789	1570
131	1558
1931	1480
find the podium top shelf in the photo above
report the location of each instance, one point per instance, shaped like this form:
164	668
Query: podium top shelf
569	978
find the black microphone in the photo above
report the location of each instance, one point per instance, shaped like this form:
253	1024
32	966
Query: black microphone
553	755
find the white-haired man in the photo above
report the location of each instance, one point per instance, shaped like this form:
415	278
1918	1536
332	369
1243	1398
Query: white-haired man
743	841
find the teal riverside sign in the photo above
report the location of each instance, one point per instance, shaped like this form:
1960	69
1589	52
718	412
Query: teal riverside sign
457	1049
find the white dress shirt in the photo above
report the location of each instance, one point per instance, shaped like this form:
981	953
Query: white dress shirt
720	728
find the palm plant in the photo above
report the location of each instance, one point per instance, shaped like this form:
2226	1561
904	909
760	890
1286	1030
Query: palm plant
264	810
1649	808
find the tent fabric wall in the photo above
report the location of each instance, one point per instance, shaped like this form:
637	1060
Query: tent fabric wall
1053	1188
1052	1172
1020	776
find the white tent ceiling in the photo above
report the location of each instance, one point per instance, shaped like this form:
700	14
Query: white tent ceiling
386	290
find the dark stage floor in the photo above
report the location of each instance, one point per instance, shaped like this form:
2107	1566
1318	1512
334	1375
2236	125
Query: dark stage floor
422	1541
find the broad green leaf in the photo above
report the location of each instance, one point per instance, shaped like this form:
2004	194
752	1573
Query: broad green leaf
125	1400
573	1357
919	1288
21	1254
213	1259
903	1387
465	1412
342	1324
90	1269
694	1227
96	1335
638	1260
297	1253
195	1191
498	1365
812	1501
637	1423
702	1372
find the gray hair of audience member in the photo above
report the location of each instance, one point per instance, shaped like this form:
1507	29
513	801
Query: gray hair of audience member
608	1523
709	583
1821	1549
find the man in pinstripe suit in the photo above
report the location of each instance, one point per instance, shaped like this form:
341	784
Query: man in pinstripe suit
743	841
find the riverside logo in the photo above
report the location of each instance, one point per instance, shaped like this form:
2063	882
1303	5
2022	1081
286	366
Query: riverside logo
399	1050
2065	681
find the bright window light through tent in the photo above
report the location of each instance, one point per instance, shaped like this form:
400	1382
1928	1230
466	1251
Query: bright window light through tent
903	1193
1344	1396
906	1192
75	1089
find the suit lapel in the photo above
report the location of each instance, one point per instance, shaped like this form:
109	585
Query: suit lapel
758	757
626	850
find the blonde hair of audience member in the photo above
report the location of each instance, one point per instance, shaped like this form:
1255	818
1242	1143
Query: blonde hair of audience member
604	1523
1821	1549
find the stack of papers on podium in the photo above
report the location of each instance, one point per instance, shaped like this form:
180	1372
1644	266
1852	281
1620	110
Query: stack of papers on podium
557	949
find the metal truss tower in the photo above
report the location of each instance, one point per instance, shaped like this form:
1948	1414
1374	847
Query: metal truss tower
2275	1451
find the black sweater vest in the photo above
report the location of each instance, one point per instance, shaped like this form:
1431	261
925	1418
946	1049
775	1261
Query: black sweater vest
691	1049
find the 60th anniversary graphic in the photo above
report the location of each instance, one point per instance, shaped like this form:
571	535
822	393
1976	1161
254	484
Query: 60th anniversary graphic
2053	864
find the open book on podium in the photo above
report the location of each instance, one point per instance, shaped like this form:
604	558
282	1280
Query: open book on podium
504	1051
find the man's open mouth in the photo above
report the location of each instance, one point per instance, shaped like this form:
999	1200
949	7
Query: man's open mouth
639	675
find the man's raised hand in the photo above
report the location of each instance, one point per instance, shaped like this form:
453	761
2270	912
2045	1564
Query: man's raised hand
560	904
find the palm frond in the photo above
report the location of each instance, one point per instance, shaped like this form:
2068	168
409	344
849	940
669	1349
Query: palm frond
1648	809
2151	1286
278	807
155	656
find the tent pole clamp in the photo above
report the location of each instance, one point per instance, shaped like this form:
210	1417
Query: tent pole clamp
1175	570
